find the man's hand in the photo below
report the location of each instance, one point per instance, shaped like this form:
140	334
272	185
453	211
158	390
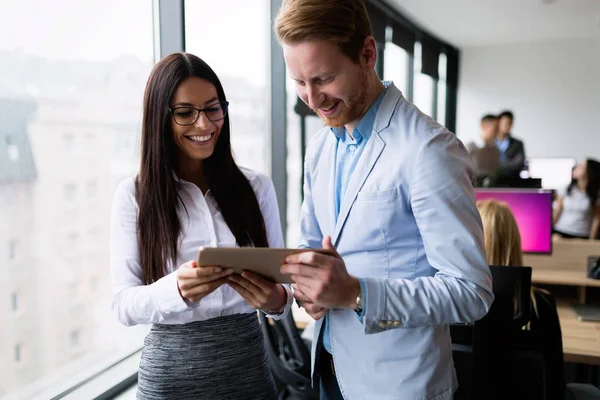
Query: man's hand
315	311
323	279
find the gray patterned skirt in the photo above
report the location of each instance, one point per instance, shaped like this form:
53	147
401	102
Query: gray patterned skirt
217	359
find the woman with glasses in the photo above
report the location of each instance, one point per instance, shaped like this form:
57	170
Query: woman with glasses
205	341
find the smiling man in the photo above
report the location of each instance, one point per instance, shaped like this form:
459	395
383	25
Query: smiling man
395	206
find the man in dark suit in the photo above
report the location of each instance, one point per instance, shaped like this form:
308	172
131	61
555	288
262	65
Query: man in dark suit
512	151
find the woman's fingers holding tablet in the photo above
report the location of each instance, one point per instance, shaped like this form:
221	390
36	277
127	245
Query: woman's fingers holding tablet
198	292
212	272
259	292
255	294
191	271
195	283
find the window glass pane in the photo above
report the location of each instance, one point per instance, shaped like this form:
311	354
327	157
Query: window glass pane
72	77
423	85
395	66
441	106
423	97
295	164
236	46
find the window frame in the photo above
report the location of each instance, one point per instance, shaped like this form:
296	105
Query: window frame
120	375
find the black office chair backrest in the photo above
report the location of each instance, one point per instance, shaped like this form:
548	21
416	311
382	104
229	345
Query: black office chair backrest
481	366
288	356
512	295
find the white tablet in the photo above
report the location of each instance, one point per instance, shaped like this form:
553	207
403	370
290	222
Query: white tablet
261	260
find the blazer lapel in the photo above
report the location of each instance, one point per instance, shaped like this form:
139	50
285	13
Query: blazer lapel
369	157
371	153
326	185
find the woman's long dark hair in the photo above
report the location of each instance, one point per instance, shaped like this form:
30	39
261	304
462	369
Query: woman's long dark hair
157	187
593	181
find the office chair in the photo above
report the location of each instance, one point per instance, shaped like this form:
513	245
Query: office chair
503	361
289	358
479	350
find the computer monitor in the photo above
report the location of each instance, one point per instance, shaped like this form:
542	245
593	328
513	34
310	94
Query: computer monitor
554	172
532	210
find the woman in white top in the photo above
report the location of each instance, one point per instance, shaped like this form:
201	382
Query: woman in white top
577	210
205	342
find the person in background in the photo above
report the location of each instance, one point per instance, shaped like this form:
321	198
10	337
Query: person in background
577	209
205	342
512	151
486	157
503	248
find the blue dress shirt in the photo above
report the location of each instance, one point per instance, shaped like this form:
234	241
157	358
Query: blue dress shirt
502	145
347	155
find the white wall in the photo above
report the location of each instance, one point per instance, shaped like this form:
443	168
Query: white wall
553	88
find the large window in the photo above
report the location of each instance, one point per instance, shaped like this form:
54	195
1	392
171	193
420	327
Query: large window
236	46
72	78
424	85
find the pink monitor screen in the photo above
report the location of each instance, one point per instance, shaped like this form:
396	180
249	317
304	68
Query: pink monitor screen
532	210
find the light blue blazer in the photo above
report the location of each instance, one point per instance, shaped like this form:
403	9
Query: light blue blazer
408	224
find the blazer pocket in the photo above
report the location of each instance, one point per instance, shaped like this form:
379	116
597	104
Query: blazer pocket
390	194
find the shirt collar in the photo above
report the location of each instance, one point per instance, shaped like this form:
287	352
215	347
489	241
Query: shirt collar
183	182
365	125
504	142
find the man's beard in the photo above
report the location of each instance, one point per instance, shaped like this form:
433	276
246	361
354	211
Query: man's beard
353	110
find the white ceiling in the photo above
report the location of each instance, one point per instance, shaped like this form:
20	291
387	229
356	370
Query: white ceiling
469	23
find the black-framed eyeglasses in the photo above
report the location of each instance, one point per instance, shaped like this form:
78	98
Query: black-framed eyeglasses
186	115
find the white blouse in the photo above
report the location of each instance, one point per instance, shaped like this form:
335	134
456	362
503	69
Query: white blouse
202	226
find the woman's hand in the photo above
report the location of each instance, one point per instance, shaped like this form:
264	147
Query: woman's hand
196	283
259	292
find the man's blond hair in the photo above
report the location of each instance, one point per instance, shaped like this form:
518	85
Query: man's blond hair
342	22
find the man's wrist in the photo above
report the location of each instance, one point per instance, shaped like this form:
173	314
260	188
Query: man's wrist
354	292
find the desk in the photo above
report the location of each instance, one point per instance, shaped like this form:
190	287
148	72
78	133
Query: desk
568	278
581	340
566	266
565	278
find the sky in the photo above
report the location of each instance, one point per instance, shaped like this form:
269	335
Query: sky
90	30
231	35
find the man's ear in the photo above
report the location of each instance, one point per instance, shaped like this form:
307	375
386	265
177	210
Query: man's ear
368	54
